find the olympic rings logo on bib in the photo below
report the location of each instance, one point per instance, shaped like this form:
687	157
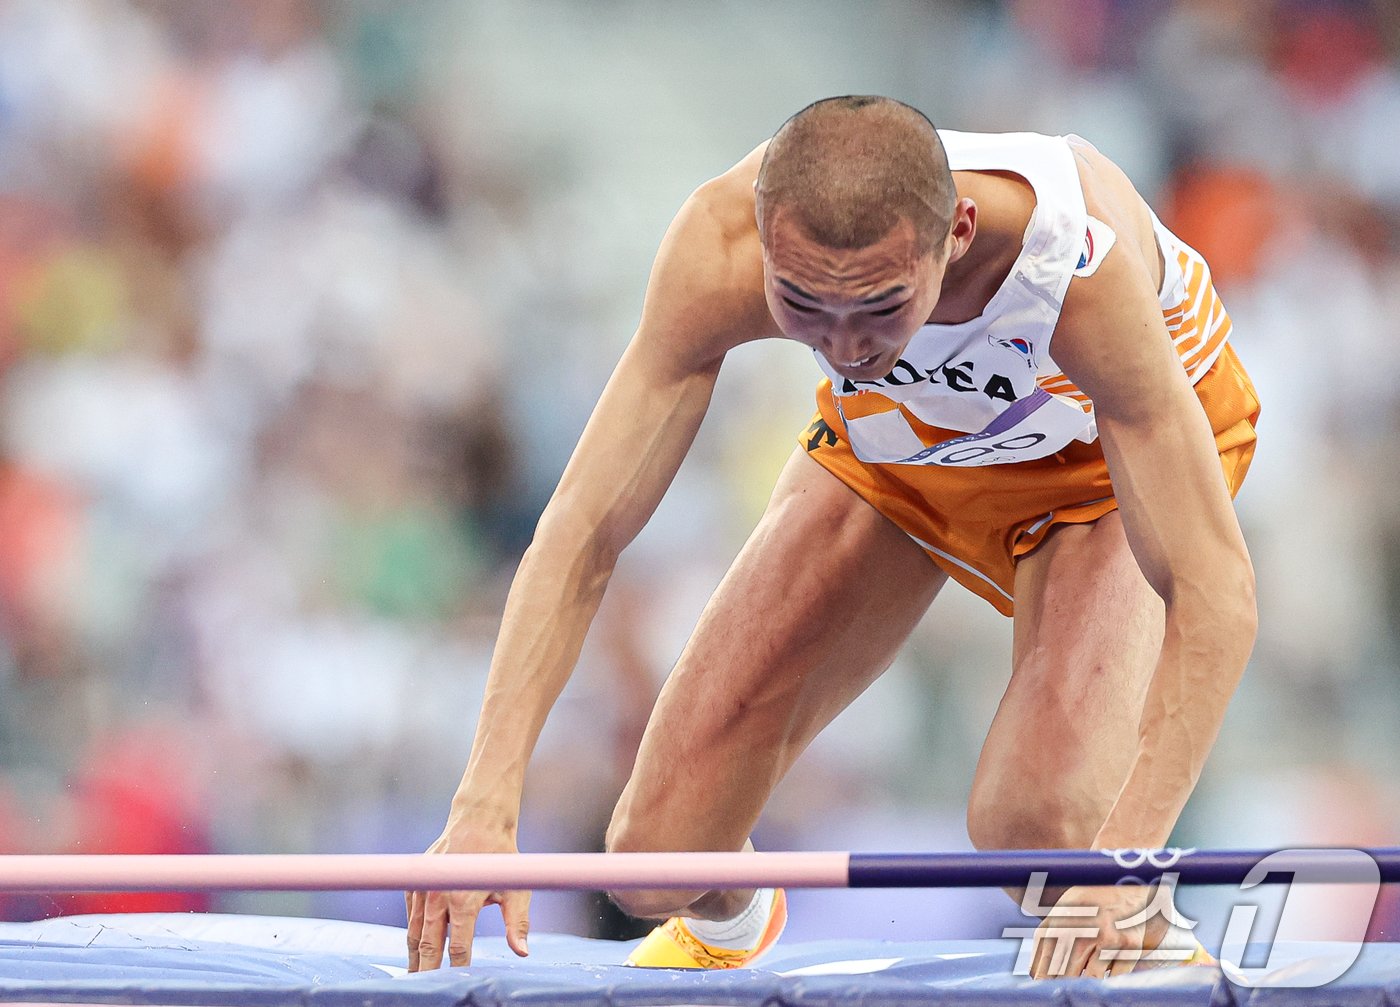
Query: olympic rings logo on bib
1031	428
969	451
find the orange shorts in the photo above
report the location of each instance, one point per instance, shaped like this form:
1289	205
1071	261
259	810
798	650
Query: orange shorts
976	523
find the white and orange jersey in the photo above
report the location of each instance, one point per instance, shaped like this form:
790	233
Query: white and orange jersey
994	377
1195	315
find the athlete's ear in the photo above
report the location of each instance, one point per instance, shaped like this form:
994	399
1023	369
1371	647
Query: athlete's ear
963	229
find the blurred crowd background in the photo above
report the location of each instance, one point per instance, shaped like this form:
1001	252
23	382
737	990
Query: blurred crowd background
303	306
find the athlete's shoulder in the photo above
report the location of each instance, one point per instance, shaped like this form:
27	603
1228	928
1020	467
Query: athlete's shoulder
1118	294
707	284
1111	198
725	203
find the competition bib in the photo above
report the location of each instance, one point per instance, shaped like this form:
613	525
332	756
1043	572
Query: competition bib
1033	427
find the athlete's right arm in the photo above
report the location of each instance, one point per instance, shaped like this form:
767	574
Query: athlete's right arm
701	301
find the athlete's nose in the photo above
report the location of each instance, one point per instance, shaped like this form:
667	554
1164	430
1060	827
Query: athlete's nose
845	346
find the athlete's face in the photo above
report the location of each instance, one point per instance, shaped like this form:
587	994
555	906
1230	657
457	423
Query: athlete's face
858	307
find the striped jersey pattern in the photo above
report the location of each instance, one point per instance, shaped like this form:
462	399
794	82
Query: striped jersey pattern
1197	323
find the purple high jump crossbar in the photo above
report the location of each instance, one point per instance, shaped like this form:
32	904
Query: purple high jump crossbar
615	871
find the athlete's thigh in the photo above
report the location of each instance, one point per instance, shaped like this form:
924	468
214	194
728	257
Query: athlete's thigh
813	609
1088	633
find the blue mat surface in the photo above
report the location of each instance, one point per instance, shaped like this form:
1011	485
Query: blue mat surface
238	960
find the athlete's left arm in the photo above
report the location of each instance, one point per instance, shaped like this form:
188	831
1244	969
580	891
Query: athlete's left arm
1113	343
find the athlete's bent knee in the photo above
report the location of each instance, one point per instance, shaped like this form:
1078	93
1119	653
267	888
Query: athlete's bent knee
624	834
648	904
1005	821
624	837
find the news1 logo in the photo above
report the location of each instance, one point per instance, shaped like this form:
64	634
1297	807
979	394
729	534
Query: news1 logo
1251	929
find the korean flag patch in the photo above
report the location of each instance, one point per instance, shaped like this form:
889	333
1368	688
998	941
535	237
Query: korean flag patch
1098	239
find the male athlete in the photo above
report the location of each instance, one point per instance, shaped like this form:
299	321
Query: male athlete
1028	390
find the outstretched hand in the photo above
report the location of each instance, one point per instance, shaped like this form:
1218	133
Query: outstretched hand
1121	925
438	919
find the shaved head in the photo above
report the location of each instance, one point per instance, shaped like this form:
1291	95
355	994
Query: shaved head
847	169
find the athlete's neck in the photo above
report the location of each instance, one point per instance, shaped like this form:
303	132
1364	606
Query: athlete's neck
1005	203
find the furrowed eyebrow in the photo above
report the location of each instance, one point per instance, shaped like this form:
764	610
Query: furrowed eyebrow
798	290
884	295
887	294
